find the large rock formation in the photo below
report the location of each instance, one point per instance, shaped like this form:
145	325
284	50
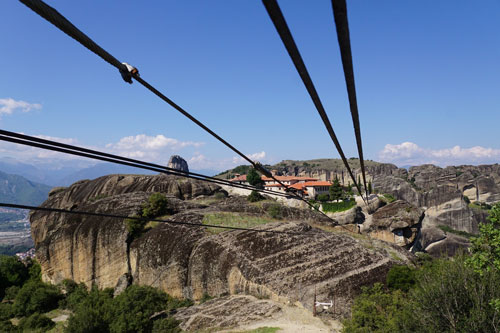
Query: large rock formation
178	163
186	261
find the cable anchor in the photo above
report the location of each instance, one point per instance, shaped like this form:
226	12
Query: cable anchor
128	71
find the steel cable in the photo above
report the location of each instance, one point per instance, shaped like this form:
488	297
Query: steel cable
281	26
57	19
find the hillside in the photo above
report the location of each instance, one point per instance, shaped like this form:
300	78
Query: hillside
191	261
455	199
19	190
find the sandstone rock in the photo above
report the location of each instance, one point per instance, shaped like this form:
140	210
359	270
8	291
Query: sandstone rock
123	282
226	312
177	162
397	222
187	261
448	246
397	215
351	216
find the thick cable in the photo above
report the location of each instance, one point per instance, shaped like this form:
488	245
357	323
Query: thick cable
88	153
281	26
339	8
65	211
54	17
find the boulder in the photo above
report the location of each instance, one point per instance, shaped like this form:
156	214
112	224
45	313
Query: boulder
397	222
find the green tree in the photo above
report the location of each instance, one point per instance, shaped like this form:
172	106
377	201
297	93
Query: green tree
376	310
335	190
36	296
254	178
36	323
485	249
370	189
93	314
12	273
133	308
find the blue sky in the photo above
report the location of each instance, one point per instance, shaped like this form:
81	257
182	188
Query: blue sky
427	76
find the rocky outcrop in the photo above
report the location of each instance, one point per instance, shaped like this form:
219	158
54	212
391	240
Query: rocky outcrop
444	193
226	312
178	163
188	261
398	222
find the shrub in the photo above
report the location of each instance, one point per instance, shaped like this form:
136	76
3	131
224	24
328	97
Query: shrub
466	199
375	310
323	197
133	308
341	206
156	205
401	278
93	314
166	325
7	327
36	323
220	195
12	273
275	211
389	197
36	296
75	294
11	293
6	311
255	196
135	227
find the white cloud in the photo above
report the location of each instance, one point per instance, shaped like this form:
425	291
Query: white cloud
409	153
148	148
9	105
150	143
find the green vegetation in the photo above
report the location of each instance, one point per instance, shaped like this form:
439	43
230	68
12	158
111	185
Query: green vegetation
479	205
335	207
233	220
323	197
446	228
388	197
255	196
254	178
275	211
466	199
485	250
36	323
157	205
19	190
98	197
336	191
461	294
28	304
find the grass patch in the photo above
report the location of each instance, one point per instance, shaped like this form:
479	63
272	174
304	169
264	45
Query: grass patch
388	198
153	224
465	234
479	205
98	197
335	207
227	219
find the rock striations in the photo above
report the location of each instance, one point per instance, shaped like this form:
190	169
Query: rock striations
190	261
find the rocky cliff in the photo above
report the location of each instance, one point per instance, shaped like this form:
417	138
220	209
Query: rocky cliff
191	261
449	196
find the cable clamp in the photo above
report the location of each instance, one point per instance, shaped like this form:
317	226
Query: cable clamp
127	71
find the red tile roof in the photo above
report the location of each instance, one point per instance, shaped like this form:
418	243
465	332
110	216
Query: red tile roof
242	178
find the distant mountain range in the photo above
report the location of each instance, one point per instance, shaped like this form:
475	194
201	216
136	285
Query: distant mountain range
67	175
18	190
